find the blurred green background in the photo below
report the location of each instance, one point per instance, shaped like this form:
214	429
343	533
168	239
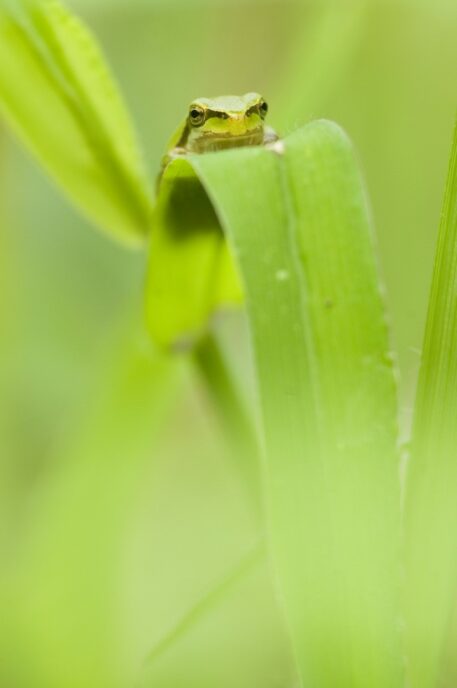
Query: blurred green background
105	543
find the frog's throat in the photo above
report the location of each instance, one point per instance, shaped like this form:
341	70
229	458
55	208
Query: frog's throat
210	142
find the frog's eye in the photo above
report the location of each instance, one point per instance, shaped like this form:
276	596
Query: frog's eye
263	108
196	116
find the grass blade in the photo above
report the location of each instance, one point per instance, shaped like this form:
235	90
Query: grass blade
431	488
65	601
303	246
71	115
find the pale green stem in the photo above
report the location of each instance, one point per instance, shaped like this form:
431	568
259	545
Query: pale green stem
233	416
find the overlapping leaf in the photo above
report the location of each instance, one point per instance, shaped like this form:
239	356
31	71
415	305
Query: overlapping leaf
304	249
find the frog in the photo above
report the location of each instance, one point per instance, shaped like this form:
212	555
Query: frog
215	124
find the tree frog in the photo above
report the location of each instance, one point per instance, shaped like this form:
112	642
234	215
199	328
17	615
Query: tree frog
215	124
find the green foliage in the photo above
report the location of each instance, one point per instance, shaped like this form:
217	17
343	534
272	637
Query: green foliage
109	580
59	97
78	532
327	397
190	271
431	494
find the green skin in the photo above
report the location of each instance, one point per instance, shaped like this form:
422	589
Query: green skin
215	124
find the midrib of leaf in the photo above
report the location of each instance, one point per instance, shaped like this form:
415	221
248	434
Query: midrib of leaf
431	488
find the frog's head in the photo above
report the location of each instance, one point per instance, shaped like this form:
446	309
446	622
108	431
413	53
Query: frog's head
226	122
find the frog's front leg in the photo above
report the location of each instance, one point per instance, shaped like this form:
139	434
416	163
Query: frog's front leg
269	136
176	152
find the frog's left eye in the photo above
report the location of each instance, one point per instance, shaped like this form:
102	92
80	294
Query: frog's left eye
263	108
196	116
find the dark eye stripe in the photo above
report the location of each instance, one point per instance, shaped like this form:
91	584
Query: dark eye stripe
217	113
253	110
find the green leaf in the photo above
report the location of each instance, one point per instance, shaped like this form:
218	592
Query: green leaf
431	487
58	96
304	249
66	591
190	271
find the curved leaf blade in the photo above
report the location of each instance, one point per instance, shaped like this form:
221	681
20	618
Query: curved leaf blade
190	273
58	96
304	249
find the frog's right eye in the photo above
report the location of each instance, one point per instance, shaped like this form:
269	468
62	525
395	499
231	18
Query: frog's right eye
196	116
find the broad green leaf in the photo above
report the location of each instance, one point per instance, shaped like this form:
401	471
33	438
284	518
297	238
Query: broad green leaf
431	487
58	96
303	246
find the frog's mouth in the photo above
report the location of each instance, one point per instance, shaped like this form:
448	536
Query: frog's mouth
211	142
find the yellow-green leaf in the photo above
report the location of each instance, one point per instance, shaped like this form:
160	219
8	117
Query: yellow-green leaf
57	94
191	273
296	220
431	486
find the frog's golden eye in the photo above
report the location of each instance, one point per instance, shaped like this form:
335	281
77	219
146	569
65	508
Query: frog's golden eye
263	108
196	116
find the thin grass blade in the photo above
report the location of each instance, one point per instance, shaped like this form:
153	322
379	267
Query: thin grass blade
431	488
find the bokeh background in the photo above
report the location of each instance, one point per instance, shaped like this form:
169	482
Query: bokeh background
118	507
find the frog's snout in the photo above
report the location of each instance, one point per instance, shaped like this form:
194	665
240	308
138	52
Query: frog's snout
238	124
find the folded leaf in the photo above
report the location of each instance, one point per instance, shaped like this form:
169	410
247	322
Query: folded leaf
303	246
191	273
